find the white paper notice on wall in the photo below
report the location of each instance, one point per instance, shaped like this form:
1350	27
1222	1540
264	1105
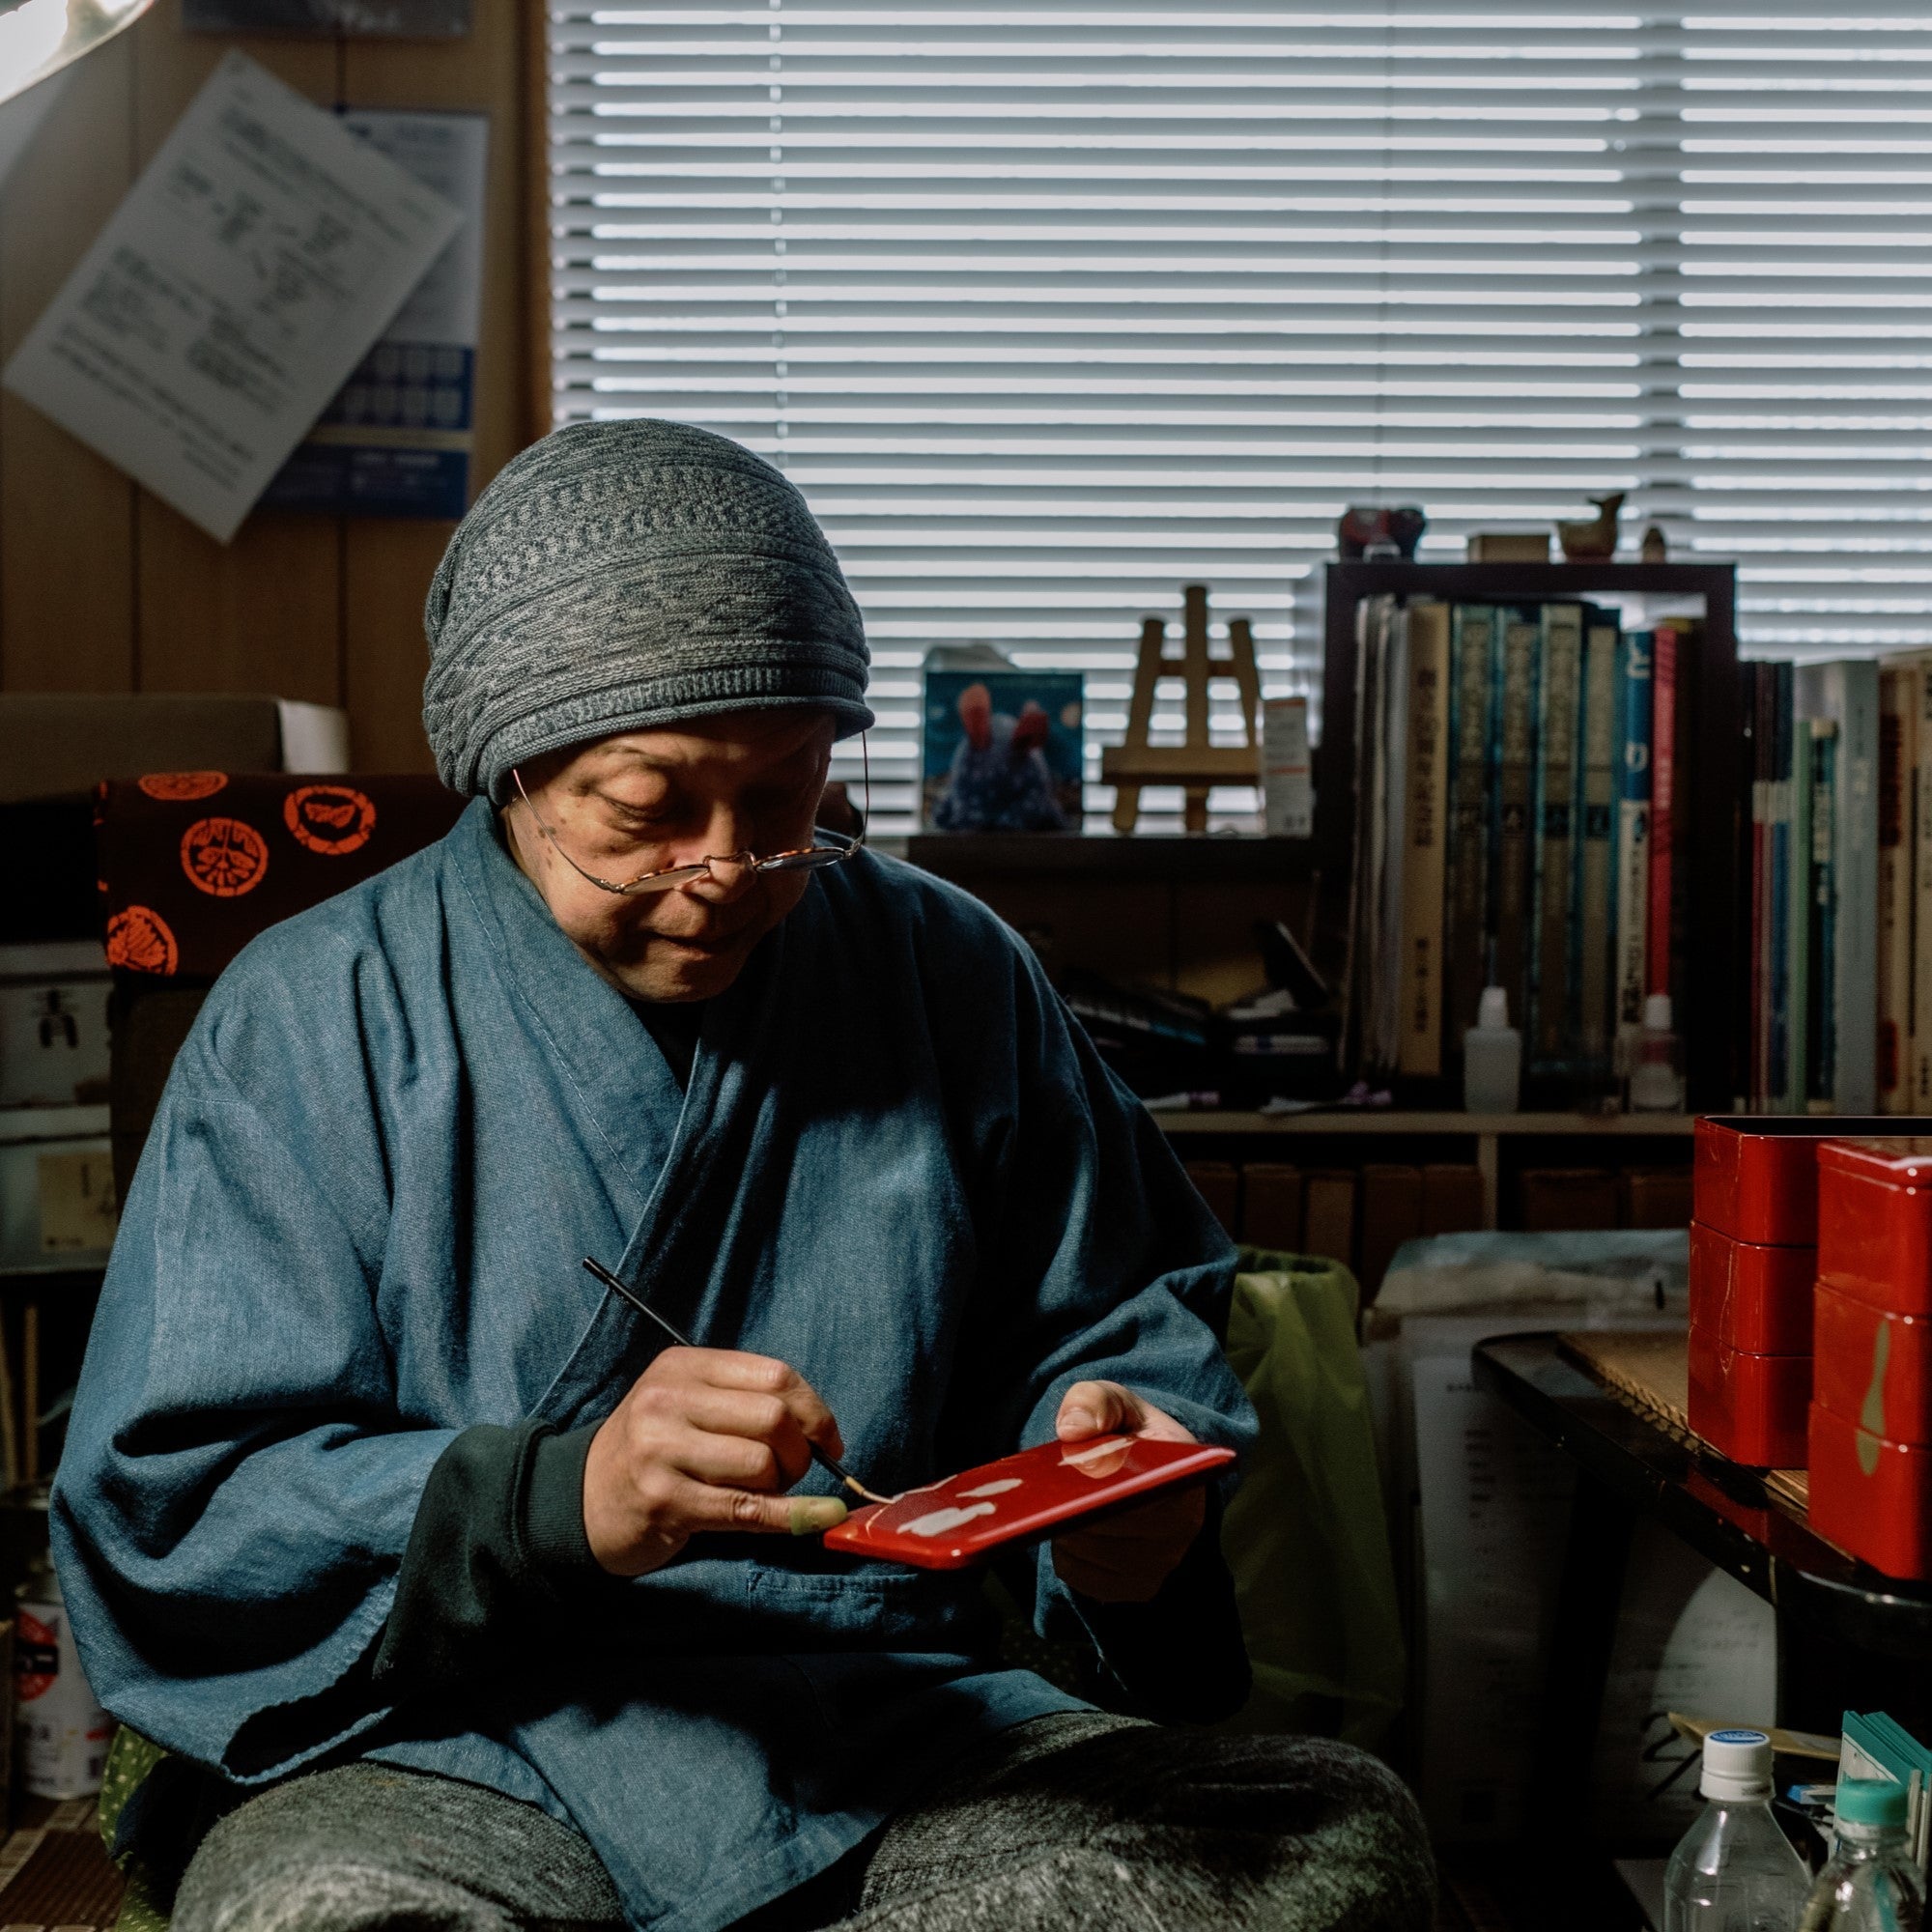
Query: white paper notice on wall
262	251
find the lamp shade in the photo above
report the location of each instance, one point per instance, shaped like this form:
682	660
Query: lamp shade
37	37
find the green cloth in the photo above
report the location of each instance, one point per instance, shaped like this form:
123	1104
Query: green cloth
1306	1535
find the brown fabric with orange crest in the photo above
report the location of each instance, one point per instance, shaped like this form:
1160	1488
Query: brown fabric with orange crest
193	864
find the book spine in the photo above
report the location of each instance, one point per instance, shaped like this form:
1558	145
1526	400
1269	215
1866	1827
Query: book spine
1513	850
1897	760
1385	962
1778	864
1797	916
1595	932
1471	630
1743	894
1633	956
1921	914
1854	782
1760	1081
1662	803
1547	1023
1821	1019
1419	1047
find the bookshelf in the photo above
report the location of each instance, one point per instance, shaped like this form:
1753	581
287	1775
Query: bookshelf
1708	780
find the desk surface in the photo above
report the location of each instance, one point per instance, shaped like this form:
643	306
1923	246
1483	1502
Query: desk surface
1723	1511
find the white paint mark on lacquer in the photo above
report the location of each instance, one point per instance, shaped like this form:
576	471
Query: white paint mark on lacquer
937	1522
997	1489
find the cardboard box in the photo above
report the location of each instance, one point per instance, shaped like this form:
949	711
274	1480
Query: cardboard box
1272	1205
1452	1198
1391	1214
1656	1197
57	1199
1328	1216
53	1024
59	744
1560	1200
1752	1295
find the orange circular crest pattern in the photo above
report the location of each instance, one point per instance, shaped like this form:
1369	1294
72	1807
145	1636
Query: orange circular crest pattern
138	941
183	785
330	818
224	857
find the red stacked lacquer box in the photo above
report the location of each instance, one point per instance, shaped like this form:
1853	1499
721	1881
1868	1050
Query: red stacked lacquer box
1753	1256
1871	1422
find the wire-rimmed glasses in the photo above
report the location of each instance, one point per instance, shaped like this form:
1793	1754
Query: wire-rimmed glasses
812	857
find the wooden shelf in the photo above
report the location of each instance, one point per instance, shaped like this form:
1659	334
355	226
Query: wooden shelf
1392	1120
1218	858
1488	1131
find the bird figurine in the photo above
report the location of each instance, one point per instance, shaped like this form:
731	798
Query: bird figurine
1592	541
1656	546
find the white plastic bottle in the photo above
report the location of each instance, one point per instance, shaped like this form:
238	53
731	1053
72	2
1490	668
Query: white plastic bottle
1872	1883
1734	1870
1655	1073
1492	1058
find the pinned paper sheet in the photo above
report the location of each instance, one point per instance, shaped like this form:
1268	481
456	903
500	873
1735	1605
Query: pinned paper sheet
262	251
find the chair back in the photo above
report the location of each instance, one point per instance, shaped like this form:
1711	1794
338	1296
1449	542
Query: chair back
192	865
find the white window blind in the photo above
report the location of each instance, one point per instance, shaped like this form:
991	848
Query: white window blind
1051	310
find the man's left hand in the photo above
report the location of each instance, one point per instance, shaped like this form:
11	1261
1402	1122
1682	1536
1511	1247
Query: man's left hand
1127	1558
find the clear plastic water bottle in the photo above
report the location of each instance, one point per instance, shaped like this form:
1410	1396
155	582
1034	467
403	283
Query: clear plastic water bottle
1734	1870
1872	1883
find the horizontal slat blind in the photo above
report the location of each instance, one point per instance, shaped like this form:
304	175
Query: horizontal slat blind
1050	310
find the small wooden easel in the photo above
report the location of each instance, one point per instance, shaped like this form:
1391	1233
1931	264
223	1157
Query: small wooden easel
1196	764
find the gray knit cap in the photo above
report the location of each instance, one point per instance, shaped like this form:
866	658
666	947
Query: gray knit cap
620	575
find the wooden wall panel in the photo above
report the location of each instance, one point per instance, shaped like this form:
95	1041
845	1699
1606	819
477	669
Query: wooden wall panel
67	515
263	612
104	587
388	564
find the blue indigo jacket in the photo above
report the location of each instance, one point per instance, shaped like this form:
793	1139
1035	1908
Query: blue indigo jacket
400	1122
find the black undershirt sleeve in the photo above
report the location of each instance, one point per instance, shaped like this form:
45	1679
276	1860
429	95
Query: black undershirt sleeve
498	1542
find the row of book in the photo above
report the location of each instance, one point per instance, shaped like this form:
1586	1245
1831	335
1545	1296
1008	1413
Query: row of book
1834	872
1516	826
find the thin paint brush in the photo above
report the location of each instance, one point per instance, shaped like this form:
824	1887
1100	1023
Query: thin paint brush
830	1464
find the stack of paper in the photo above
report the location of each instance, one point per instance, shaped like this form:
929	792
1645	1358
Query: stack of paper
1877	1746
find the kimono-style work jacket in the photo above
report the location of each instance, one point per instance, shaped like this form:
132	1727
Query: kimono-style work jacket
402	1121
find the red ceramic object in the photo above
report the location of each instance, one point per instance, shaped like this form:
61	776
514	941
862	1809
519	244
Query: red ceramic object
1749	1407
1870	1497
949	1524
1756	1175
1872	1368
1875	1222
1752	1295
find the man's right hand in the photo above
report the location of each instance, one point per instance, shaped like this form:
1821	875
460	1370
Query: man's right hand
707	1439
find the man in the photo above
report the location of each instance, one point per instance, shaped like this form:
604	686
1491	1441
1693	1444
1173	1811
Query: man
374	1503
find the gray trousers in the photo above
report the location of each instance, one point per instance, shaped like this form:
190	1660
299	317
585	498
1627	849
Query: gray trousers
1078	1820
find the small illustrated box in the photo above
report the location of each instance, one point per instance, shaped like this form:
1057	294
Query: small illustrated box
1749	1294
1875	1222
1874	1369
1756	1176
1870	1497
1749	1407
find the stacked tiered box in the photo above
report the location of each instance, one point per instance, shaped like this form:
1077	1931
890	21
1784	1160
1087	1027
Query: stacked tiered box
1871	1423
1753	1256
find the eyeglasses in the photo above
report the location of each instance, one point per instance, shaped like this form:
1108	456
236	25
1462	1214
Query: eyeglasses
811	858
